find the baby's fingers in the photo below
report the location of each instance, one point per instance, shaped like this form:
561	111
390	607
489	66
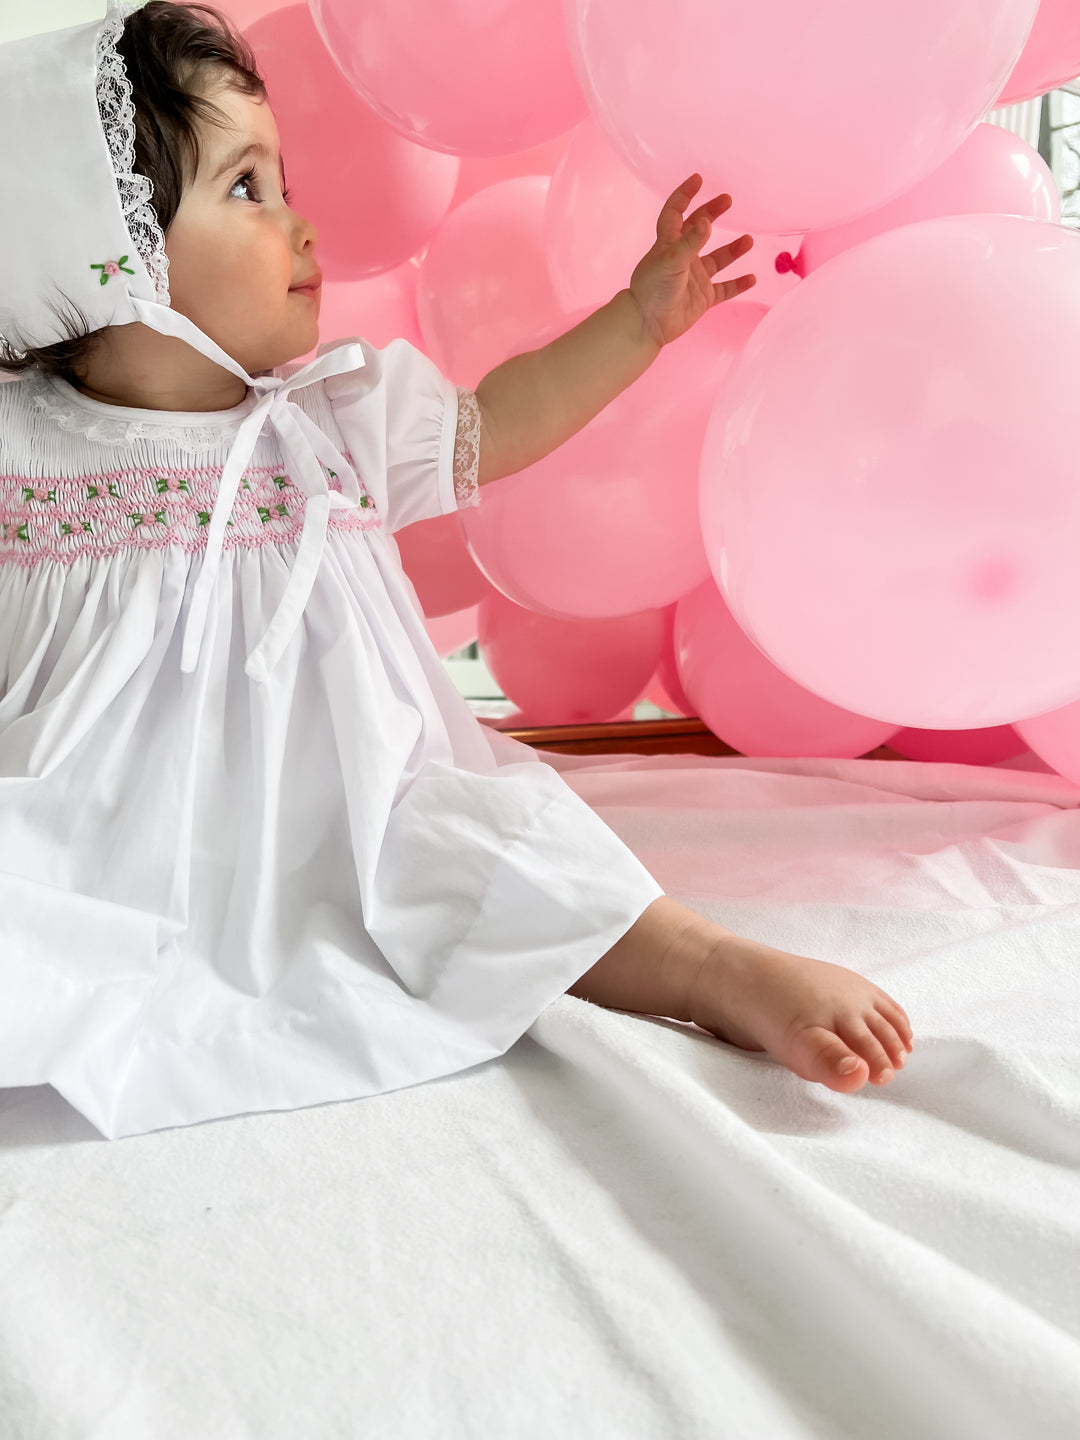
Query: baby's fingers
728	289
719	259
669	227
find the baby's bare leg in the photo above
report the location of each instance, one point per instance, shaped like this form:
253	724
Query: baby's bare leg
653	967
810	1015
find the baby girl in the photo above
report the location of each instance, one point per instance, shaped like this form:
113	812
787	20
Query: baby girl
242	266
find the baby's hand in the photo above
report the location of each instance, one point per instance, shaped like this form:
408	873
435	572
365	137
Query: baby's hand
673	283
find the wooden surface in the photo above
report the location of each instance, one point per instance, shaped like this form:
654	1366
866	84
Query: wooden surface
642	737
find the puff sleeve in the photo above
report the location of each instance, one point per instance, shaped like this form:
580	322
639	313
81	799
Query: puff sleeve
413	435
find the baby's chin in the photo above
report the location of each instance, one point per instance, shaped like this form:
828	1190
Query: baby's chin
271	360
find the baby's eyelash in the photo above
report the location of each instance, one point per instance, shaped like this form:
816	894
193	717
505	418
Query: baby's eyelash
250	179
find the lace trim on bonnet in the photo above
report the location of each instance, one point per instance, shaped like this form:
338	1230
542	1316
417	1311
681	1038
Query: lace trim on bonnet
117	109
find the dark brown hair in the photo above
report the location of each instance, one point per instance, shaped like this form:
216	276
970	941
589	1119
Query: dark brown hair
172	53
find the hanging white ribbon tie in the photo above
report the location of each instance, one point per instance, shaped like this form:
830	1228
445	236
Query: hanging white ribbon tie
309	455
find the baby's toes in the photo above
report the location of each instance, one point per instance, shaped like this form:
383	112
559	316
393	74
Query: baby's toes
865	1037
816	1053
892	1042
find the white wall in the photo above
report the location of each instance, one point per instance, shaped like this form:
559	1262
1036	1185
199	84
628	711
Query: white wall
31	17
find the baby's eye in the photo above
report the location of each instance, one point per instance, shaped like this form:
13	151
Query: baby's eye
246	180
249	179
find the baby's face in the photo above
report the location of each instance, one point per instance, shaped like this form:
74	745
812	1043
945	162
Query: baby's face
235	247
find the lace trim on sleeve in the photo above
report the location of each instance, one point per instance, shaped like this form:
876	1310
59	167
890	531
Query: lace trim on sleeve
467	449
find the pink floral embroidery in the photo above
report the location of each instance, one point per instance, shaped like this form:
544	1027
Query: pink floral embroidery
112	267
106	514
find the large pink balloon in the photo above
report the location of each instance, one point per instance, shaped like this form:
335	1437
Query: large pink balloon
568	672
468	78
607	523
449	633
483	281
1055	738
380	309
658	694
993	171
959	747
375	197
437	560
244	12
806	114
479	171
666	689
1051	55
750	704
888	485
601	220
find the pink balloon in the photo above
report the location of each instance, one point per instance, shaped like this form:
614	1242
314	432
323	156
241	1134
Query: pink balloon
666	683
807	115
599	221
1051	55
607	523
959	747
483	281
568	672
375	197
1055	739
244	12
590	257
993	170
888	483
657	695
747	702
469	78
436	559
379	309
449	633
479	172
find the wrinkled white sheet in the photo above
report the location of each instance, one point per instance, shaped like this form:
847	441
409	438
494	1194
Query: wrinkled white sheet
624	1227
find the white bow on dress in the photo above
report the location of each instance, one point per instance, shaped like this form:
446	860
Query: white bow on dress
309	454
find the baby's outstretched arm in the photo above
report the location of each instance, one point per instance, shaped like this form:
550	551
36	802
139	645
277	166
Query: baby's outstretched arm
824	1022
532	403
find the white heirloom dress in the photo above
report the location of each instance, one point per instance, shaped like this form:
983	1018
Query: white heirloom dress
221	896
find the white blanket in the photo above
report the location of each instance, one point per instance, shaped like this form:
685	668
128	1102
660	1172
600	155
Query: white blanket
623	1227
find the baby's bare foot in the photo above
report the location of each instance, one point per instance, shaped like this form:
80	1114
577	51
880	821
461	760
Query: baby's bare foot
822	1021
